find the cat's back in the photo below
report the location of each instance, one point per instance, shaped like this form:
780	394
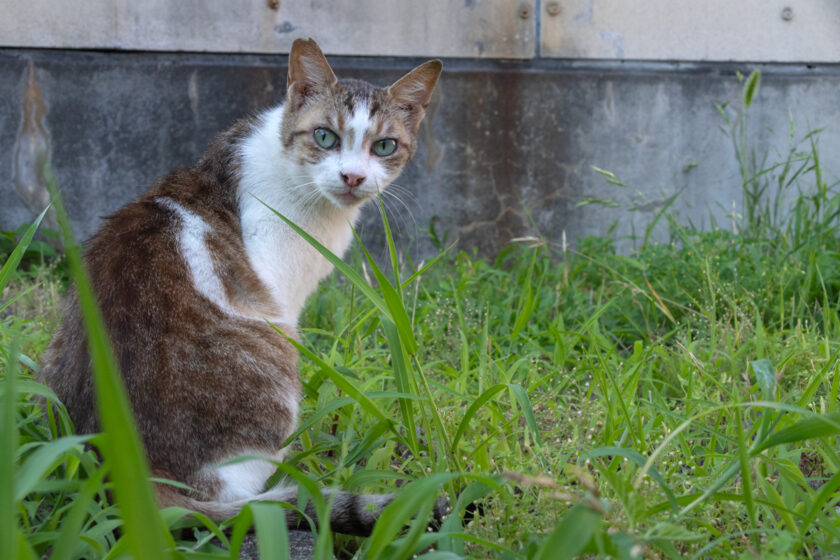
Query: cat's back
183	310
128	258
143	255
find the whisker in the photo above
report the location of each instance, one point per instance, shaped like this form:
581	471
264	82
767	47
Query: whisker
403	190
309	200
296	187
395	197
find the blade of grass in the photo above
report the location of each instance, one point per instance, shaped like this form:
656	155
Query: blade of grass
679	429
640	461
24	548
42	461
442	432
402	381
820	501
9	302
339	264
471	411
527	410
8	451
406	546
472	493
332	406
815	427
241	525
272	535
659	303
71	524
145	532
525	307
389	239
173	516
720	480
12	262
774	498
368	476
746	472
396	310
412	498
765	376
26	387
364	446
425	267
571	535
344	384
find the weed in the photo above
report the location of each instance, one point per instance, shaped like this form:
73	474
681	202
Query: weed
677	402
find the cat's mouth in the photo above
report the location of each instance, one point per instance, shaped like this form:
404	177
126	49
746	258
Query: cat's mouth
350	197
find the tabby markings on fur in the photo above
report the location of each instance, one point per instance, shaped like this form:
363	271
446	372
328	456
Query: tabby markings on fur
187	274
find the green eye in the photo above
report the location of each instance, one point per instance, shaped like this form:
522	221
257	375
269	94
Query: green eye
326	138
384	147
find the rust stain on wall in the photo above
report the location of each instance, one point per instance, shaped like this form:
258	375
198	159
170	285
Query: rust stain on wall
32	147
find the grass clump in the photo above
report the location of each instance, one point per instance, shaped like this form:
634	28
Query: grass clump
677	402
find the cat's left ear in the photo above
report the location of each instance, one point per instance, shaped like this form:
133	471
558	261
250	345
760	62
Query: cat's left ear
412	92
309	72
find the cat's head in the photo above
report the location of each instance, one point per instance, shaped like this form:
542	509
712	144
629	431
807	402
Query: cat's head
350	137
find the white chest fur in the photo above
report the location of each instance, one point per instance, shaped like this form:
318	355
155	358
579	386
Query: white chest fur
286	263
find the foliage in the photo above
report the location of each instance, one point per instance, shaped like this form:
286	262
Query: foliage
681	401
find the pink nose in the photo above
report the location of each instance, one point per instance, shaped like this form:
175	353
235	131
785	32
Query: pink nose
352	180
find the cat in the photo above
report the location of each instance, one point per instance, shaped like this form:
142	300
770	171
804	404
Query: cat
187	275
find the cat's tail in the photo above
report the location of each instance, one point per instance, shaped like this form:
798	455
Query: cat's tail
351	514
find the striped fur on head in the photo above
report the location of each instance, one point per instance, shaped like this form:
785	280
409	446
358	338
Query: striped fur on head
360	114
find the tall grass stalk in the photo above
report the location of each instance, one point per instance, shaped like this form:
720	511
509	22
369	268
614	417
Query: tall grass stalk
121	445
677	402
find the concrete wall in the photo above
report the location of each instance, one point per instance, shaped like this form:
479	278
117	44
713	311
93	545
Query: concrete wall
481	28
719	30
510	138
753	30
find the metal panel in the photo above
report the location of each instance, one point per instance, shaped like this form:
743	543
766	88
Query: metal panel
713	30
452	28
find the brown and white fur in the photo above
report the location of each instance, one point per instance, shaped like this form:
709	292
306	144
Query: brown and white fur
187	274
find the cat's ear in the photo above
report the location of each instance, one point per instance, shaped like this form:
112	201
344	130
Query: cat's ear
309	72
412	92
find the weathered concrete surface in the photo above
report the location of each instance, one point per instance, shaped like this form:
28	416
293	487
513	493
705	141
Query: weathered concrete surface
507	149
485	28
721	30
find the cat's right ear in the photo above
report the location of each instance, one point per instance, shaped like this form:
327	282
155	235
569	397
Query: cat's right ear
411	93
309	73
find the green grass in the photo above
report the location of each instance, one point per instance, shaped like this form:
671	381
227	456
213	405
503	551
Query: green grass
677	402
